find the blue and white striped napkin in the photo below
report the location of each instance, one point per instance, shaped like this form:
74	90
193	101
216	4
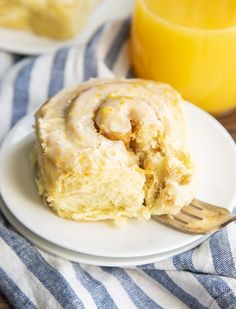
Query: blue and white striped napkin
204	277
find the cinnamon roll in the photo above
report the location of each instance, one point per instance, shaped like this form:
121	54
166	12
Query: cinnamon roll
61	19
108	149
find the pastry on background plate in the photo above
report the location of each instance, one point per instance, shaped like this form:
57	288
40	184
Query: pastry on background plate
59	19
108	149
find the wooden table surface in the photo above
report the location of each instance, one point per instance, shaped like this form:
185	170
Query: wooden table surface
3	303
228	121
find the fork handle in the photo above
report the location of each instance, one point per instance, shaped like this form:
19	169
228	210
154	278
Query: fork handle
227	221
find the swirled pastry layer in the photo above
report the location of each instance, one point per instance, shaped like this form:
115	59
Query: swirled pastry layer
108	149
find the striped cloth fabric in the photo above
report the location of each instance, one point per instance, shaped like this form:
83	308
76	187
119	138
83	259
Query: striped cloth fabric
204	277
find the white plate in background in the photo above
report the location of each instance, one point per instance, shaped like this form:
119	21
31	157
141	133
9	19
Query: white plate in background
27	43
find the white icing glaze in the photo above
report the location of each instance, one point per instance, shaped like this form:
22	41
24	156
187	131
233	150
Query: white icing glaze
136	126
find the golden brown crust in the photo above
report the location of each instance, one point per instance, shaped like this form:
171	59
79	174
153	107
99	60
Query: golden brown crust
114	148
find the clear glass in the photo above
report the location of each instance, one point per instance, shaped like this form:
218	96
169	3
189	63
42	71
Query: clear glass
190	44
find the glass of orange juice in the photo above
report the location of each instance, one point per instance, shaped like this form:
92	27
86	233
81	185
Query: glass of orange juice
190	44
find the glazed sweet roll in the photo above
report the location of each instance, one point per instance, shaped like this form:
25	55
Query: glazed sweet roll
59	19
108	149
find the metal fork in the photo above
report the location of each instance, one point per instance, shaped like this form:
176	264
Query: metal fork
198	218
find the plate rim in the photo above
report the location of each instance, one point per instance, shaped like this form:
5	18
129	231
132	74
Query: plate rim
211	118
80	257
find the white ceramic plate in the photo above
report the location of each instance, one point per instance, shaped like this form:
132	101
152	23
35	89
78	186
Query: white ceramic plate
27	43
85	258
215	154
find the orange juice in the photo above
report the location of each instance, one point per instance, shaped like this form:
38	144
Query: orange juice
190	44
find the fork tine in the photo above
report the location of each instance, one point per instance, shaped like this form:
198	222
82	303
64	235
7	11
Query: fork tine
207	207
200	204
188	212
180	219
196	207
193	211
197	218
